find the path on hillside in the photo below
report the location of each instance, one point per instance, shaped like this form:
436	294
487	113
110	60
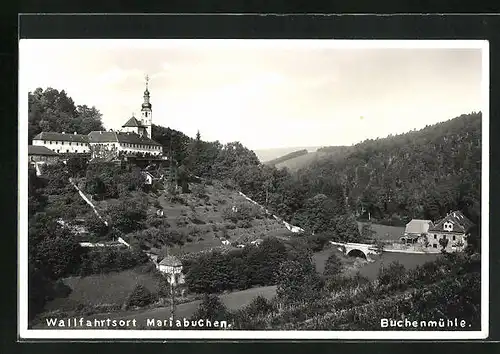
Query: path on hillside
87	200
233	301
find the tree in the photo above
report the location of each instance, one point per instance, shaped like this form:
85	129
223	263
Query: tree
51	248
367	231
53	110
298	281
127	215
76	166
212	309
317	215
333	266
394	274
443	242
88	119
140	296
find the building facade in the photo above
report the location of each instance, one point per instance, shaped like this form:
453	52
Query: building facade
455	228
133	139
42	154
62	143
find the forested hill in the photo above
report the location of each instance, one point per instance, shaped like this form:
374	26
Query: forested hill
53	110
420	174
286	157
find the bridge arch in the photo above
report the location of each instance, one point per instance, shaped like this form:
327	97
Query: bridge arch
357	253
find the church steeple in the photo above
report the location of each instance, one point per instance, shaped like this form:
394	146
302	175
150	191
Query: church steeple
146	103
146	111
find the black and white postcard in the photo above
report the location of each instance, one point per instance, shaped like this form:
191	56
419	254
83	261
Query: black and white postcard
253	189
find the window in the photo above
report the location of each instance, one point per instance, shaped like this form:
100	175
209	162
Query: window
50	142
67	150
435	245
435	237
454	237
70	143
44	141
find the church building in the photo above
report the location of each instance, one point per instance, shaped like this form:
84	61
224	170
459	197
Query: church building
134	138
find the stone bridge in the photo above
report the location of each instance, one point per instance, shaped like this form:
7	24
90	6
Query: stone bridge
357	249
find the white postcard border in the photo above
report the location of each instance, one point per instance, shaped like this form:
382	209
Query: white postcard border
25	333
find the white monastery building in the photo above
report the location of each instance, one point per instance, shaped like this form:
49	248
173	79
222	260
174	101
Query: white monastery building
134	138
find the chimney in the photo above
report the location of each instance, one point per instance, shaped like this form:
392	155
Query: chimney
63	133
74	133
100	132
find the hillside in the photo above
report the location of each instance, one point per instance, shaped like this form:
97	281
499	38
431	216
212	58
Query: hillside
420	174
200	221
265	155
296	163
287	157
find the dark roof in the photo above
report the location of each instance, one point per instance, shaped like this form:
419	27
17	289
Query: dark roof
102	137
77	138
171	261
133	138
132	122
40	150
121	137
459	221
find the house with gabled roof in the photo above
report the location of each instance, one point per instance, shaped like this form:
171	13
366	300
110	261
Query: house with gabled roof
454	227
62	143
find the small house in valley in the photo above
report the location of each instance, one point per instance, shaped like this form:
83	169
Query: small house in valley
172	267
455	228
42	154
416	231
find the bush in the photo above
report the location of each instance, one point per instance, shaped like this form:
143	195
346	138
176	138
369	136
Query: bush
394	274
128	215
140	297
243	224
298	281
333	266
212	309
259	306
215	272
109	259
317	242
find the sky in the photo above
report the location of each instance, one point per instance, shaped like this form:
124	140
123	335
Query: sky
265	94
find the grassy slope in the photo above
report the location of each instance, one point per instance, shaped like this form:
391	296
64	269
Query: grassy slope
383	232
337	152
206	232
300	161
111	288
286	157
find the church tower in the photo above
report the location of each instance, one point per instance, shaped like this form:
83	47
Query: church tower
146	112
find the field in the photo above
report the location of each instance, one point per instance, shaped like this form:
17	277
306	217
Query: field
233	301
265	155
331	152
111	288
301	161
383	232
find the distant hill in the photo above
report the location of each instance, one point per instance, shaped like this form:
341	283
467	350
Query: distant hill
287	157
266	155
304	160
